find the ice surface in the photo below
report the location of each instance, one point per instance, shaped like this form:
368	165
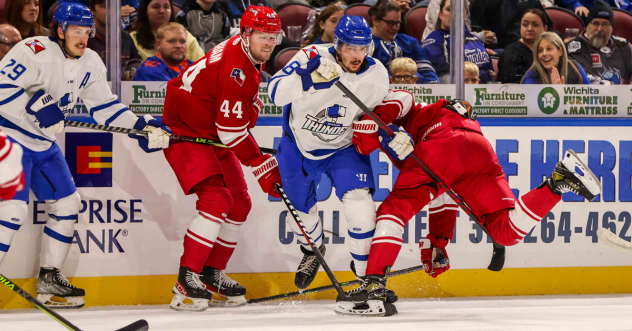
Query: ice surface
612	312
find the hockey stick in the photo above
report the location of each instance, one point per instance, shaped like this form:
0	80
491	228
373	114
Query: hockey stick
613	241
330	287
309	239
140	325
117	129
498	256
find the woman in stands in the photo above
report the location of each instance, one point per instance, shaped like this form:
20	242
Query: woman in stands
386	19
325	25
26	16
151	15
551	64
437	46
518	56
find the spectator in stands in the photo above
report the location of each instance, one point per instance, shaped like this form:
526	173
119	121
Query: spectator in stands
607	59
404	5
432	14
128	8
503	17
471	73
9	37
235	8
130	59
551	64
386	19
170	61
325	25
151	15
403	71
518	56
437	46
26	16
276	4
582	7
206	21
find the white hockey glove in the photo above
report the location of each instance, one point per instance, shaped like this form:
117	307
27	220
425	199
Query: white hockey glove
399	146
327	70
318	70
157	134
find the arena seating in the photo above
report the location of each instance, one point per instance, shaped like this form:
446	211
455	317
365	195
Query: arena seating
284	57
359	9
622	24
415	22
294	14
563	18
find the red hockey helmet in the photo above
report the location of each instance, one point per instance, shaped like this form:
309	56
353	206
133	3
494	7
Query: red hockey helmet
258	18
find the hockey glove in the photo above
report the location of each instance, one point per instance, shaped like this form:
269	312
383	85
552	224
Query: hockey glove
266	171
255	109
319	73
11	174
365	137
434	256
157	134
399	146
46	111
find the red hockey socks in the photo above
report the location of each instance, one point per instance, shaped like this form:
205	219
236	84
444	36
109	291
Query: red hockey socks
229	233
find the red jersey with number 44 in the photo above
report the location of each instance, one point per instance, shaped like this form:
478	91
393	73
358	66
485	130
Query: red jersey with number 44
213	97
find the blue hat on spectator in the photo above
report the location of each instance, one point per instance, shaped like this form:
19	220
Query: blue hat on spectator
69	13
354	30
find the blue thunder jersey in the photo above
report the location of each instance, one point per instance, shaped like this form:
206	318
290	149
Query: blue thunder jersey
437	46
39	63
319	120
406	46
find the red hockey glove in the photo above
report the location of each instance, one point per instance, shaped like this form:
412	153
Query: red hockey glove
266	170
434	256
365	135
255	109
11	174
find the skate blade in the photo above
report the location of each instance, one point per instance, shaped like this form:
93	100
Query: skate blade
576	165
183	303
371	308
55	302
226	301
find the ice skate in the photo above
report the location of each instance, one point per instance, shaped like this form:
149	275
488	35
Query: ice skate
52	283
391	297
308	268
188	286
217	282
370	299
572	175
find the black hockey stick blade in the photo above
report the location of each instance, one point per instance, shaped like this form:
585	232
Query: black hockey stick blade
330	287
498	258
140	325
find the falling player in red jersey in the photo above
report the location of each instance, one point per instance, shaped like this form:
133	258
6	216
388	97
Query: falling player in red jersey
11	174
216	98
446	137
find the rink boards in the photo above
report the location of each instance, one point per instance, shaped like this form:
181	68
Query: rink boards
128	240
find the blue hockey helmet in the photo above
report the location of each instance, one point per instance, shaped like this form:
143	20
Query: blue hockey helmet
69	13
355	31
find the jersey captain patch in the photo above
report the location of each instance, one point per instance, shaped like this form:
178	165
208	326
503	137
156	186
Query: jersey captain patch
36	46
239	76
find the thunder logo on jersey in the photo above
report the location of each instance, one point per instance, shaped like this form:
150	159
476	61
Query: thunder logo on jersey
324	125
89	157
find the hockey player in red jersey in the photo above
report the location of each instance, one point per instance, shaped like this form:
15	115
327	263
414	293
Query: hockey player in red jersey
11	174
446	137
216	98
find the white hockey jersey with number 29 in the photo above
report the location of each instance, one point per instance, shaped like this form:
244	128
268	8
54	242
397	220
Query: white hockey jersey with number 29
320	121
39	63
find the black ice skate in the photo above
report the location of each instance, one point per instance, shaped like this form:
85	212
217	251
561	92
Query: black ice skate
391	297
369	300
52	283
572	175
308	268
217	282
189	286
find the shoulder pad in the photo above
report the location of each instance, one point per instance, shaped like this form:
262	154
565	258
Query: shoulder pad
574	46
35	45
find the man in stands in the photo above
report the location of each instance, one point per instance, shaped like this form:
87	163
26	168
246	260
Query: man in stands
170	60
206	21
9	37
607	59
